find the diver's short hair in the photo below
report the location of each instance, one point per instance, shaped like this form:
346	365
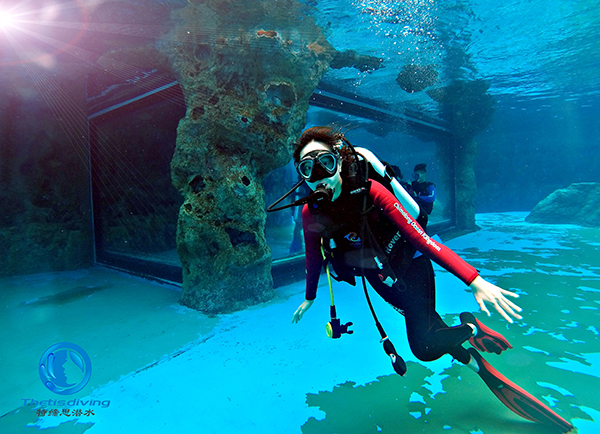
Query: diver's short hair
421	167
397	172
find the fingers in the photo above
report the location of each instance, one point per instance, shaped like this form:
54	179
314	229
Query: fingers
498	308
483	307
301	310
297	316
504	314
509	305
503	305
505	308
497	305
510	308
514	306
505	292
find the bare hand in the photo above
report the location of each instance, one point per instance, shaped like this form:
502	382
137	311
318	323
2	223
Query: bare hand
485	291
306	304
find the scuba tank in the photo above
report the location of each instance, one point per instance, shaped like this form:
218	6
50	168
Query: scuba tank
390	182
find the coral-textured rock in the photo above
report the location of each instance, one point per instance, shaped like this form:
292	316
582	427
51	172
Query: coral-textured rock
578	204
465	184
248	70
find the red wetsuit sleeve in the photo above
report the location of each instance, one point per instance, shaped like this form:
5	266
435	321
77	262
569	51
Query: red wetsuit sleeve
312	247
409	228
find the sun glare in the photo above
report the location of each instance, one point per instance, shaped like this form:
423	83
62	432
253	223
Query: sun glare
5	19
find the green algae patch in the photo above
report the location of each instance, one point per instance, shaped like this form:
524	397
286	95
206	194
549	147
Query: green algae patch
393	404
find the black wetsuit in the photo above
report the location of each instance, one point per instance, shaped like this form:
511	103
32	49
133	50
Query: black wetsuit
398	236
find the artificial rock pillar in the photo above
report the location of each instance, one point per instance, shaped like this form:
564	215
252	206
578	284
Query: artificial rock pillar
465	152
468	108
247	69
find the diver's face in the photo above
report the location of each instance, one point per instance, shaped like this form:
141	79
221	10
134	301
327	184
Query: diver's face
334	181
419	176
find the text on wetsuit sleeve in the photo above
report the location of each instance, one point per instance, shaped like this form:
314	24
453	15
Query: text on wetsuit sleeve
416	227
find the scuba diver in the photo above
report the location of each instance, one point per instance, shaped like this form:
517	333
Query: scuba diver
359	220
424	190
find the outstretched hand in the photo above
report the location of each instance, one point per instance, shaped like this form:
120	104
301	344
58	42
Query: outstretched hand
485	291
306	304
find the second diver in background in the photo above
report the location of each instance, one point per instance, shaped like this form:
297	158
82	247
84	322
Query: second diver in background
424	190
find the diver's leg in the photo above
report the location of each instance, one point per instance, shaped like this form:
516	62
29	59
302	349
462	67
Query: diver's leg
429	337
427	332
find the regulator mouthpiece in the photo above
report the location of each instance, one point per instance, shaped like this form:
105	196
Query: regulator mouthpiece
321	195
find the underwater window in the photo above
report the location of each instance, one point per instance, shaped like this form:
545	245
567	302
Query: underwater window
135	206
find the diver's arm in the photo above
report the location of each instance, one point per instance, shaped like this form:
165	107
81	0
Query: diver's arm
312	250
306	304
409	227
483	290
314	262
430	196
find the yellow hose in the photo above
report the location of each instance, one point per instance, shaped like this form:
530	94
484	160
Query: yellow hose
328	273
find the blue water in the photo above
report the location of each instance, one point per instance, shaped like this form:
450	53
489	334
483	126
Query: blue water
540	59
159	367
530	50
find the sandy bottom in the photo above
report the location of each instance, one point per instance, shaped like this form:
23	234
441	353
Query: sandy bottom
158	367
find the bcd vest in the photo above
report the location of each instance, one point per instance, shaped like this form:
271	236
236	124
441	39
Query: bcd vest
358	238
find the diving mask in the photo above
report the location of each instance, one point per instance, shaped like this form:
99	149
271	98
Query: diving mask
317	165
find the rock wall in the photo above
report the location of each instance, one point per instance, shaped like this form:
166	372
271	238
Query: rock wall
44	185
248	69
44	167
578	204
